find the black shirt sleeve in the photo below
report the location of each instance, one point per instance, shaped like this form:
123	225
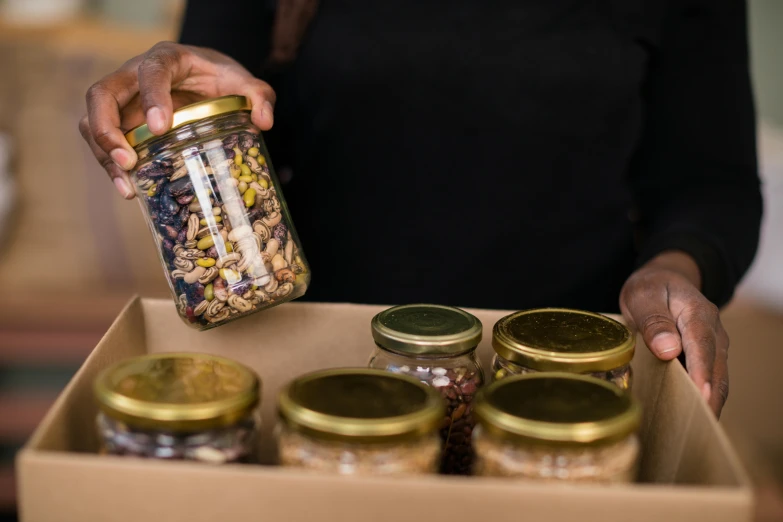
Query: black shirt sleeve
694	177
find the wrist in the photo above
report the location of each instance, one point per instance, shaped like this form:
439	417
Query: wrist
679	262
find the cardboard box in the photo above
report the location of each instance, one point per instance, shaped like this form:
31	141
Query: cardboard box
688	469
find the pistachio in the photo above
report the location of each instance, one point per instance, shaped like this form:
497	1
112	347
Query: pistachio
201	308
206	262
205	242
210	274
194	275
238	303
192	226
228	259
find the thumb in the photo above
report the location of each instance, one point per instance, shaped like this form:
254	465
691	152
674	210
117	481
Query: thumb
652	317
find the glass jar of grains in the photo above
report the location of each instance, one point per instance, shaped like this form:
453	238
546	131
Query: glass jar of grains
359	422
215	209
179	406
437	345
556	427
559	339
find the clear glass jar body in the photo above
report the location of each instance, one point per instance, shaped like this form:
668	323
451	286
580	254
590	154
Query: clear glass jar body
622	377
613	463
457	378
235	443
222	228
410	457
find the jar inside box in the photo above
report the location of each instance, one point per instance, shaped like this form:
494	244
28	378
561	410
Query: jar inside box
563	340
437	345
179	406
359	422
557	427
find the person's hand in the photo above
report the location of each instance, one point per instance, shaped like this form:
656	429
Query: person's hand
662	300
152	84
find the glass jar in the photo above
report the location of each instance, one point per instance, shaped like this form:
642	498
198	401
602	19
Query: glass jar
179	406
213	204
559	339
436	345
557	427
359	422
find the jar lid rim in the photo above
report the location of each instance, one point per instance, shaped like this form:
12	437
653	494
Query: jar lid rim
178	391
189	114
426	330
563	339
402	407
557	408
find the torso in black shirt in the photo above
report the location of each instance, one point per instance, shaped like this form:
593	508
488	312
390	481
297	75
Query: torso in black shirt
469	153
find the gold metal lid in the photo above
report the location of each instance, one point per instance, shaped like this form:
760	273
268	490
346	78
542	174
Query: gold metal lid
360	405
426	329
560	339
191	113
556	408
177	391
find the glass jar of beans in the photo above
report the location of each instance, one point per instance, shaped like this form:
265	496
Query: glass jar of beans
437	345
559	339
557	428
215	209
179	406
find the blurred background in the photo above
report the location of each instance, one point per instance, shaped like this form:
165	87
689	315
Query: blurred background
72	251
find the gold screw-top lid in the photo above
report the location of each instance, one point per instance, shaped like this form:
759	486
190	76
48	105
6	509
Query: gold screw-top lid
426	329
559	339
360	405
556	408
177	391
191	113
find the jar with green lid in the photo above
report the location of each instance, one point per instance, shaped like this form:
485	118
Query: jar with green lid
557	427
353	421
182	406
436	345
214	206
563	340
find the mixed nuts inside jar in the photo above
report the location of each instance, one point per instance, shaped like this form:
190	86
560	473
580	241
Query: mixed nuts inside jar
213	204
179	406
359	422
563	340
557	427
436	345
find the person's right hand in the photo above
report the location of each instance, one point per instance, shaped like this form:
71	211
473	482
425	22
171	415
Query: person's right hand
152	84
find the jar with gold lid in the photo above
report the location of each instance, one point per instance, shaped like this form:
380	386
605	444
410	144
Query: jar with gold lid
179	406
557	427
214	206
352	421
563	340
437	345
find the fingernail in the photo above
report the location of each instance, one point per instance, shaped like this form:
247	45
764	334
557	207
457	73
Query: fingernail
122	159
155	120
665	342
269	110
123	187
706	391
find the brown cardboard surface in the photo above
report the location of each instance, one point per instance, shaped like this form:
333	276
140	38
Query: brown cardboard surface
688	469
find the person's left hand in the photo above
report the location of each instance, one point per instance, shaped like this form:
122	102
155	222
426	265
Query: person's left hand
662	300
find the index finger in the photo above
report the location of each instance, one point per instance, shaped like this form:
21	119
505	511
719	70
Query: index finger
699	342
105	100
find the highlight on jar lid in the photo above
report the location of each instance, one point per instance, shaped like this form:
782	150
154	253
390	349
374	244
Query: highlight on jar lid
560	339
190	114
426	329
177	391
360	405
557	408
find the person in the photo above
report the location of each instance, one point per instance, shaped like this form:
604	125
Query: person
500	155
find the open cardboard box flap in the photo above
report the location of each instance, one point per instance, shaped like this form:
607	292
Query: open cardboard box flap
688	469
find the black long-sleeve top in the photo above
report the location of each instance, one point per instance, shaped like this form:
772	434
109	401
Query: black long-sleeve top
508	154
